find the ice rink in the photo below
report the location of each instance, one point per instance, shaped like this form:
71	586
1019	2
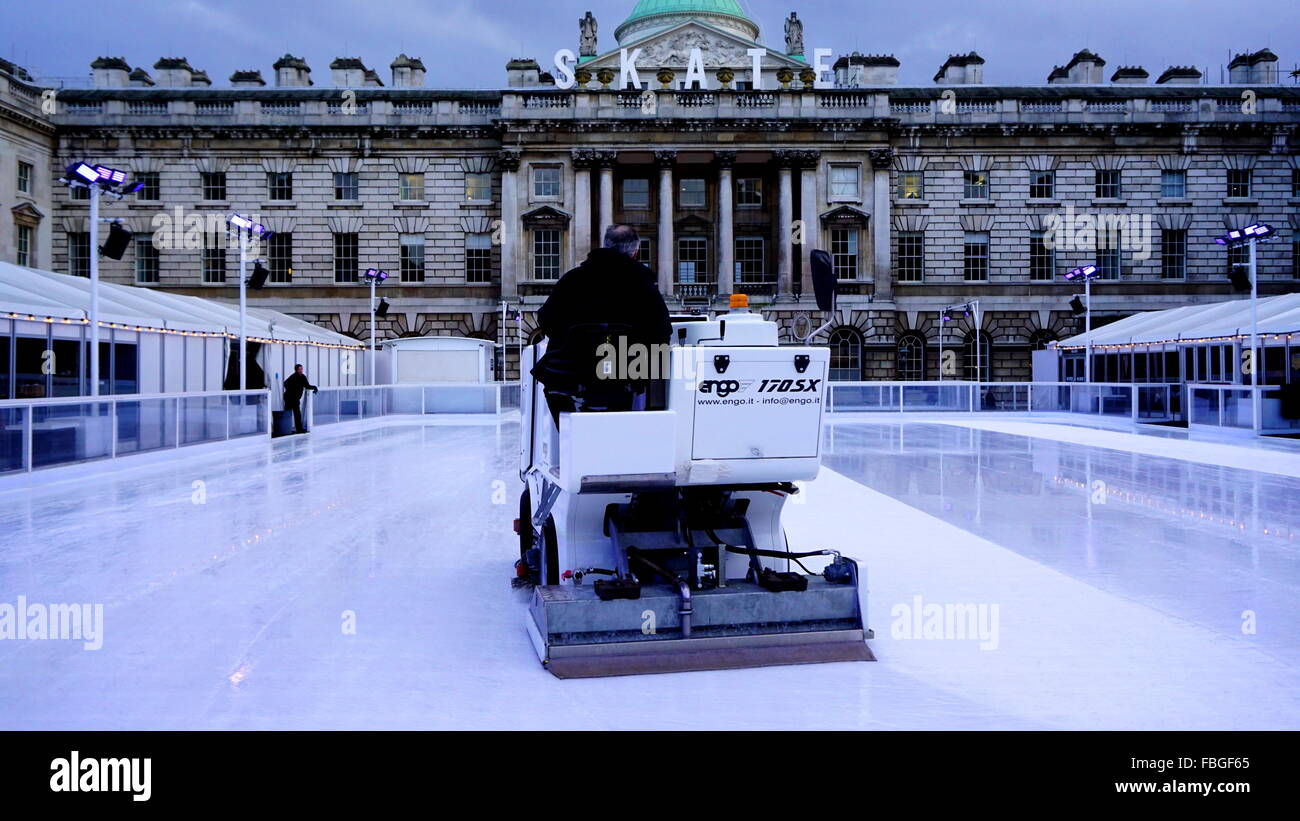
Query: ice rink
1128	581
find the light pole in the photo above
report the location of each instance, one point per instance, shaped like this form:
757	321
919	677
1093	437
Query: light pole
97	179
945	316
375	278
246	228
1250	236
1087	273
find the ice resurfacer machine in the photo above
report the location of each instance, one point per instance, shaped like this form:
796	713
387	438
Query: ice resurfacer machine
652	539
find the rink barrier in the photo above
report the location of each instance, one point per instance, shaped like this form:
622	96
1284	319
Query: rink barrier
350	404
1140	402
43	433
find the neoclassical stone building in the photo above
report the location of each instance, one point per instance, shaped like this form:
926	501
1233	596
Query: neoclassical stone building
476	201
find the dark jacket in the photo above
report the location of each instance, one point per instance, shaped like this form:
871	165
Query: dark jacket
607	288
294	386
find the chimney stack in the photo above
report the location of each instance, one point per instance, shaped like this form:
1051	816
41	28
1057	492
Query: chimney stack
292	72
174	72
961	69
408	72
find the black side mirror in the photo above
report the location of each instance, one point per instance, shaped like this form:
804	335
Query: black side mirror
823	279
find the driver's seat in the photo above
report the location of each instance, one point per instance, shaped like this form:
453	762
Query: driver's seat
571	372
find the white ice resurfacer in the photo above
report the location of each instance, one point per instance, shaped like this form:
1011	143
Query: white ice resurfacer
652	539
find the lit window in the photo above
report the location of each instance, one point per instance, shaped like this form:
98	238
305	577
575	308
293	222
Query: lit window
911	185
478	187
412	187
975	185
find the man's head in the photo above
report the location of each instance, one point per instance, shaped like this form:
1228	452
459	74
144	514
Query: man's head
297	368
624	239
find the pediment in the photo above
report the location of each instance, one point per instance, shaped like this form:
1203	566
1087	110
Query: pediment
26	213
845	214
671	48
546	217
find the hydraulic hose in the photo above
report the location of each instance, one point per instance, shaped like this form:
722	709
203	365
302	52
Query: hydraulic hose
684	612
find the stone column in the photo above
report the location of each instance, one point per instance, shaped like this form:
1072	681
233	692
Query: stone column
726	222
882	272
808	200
606	160
583	159
665	242
511	229
784	218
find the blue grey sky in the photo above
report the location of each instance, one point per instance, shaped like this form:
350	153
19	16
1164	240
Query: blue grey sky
466	44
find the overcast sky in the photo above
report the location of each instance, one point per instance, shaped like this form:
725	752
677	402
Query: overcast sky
466	44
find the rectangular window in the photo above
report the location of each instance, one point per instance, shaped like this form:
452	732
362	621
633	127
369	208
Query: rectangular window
478	257
78	192
546	254
911	185
1109	241
1108	185
280	257
79	253
844	182
911	256
749	192
24	178
146	260
1173	184
645	251
1042	185
1238	183
346	185
478	187
150	186
412	257
347	253
690	193
975	185
636	193
693	260
1042	260
23	246
750	262
844	252
546	182
975	262
213	260
1239	260
279	185
412	187
1173	254
214	185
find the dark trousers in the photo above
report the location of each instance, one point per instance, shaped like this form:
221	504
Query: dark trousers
296	407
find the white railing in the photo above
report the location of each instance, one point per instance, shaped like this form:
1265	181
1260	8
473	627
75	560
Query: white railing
1232	406
332	405
41	433
1141	402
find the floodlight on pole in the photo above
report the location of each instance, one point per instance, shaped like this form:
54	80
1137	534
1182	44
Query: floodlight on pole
1086	273
1249	236
97	180
245	227
374	277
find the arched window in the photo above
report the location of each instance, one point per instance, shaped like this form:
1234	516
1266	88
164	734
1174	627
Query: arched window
1039	340
846	355
911	357
976	368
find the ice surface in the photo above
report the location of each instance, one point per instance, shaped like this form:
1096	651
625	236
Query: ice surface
229	613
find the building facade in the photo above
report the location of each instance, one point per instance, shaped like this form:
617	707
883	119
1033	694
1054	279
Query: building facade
732	159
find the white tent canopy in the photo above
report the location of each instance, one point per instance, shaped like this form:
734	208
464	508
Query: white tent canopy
1278	315
41	294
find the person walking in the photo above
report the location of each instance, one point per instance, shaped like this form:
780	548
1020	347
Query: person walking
293	390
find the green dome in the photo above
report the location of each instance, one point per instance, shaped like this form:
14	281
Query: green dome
651	15
646	8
